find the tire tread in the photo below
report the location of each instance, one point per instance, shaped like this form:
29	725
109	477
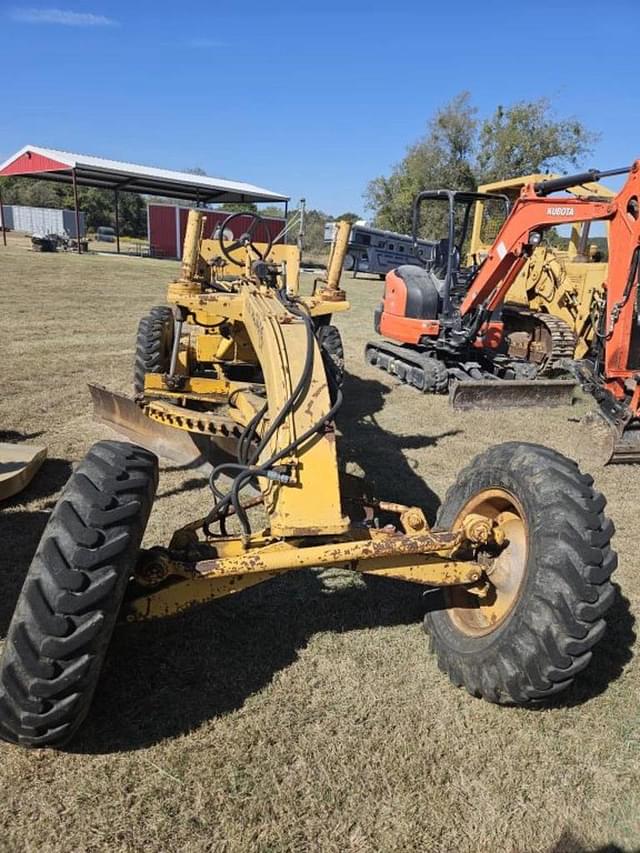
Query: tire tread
66	612
550	638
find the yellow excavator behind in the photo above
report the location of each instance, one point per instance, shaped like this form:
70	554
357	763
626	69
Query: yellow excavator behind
561	285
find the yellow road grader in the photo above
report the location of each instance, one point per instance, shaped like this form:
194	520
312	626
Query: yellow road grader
242	373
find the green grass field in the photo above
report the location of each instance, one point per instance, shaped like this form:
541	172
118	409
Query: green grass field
305	714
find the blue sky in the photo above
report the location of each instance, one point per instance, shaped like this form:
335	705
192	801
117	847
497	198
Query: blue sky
307	98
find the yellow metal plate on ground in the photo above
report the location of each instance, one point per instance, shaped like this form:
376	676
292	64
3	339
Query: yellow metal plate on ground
18	465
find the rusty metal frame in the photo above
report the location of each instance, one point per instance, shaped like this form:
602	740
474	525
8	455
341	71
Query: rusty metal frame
171	582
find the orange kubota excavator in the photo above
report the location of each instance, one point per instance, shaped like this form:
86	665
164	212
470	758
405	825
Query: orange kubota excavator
448	322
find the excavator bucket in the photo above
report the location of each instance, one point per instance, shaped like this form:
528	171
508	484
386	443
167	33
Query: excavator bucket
126	418
610	444
18	465
511	393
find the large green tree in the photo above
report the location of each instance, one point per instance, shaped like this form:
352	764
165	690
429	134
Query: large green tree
460	151
525	137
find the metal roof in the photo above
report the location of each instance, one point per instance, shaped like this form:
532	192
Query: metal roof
51	164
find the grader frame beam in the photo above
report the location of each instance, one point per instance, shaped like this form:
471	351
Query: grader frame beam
427	557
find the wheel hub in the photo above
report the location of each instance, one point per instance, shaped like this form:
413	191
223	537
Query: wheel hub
477	615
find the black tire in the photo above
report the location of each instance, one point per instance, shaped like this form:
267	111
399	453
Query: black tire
153	345
349	262
547	637
332	349
67	609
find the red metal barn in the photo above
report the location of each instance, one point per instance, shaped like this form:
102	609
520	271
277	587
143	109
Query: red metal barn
166	225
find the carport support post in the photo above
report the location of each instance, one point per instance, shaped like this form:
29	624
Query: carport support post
4	233
115	196
75	204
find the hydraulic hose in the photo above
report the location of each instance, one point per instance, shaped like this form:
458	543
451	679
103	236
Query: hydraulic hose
247	456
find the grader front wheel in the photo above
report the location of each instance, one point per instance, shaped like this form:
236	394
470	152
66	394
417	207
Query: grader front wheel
540	613
66	612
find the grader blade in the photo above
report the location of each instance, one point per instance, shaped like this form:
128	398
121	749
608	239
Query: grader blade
511	393
126	418
18	466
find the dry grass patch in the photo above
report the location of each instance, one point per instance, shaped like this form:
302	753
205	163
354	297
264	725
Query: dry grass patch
306	714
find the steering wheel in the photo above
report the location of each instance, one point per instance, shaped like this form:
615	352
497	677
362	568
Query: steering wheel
246	238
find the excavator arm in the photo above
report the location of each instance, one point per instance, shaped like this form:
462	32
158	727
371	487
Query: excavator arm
617	355
520	233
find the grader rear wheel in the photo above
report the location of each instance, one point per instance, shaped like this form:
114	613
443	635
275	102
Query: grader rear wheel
154	342
548	589
332	351
66	612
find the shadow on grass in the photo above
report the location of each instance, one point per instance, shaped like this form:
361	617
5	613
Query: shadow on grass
568	843
167	677
21	529
380	453
15	437
20	532
190	485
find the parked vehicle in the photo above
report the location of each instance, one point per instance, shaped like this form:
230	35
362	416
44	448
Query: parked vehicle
105	234
375	251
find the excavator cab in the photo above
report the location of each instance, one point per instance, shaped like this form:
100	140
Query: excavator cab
447	216
419	300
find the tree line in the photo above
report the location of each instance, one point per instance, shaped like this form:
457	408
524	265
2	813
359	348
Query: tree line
97	205
460	151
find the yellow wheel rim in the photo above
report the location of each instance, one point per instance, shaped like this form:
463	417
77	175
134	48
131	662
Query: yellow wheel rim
476	616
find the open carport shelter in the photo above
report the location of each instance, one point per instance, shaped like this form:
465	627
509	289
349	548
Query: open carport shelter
81	170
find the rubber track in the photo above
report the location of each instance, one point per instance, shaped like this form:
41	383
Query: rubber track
409	366
149	357
549	638
73	591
